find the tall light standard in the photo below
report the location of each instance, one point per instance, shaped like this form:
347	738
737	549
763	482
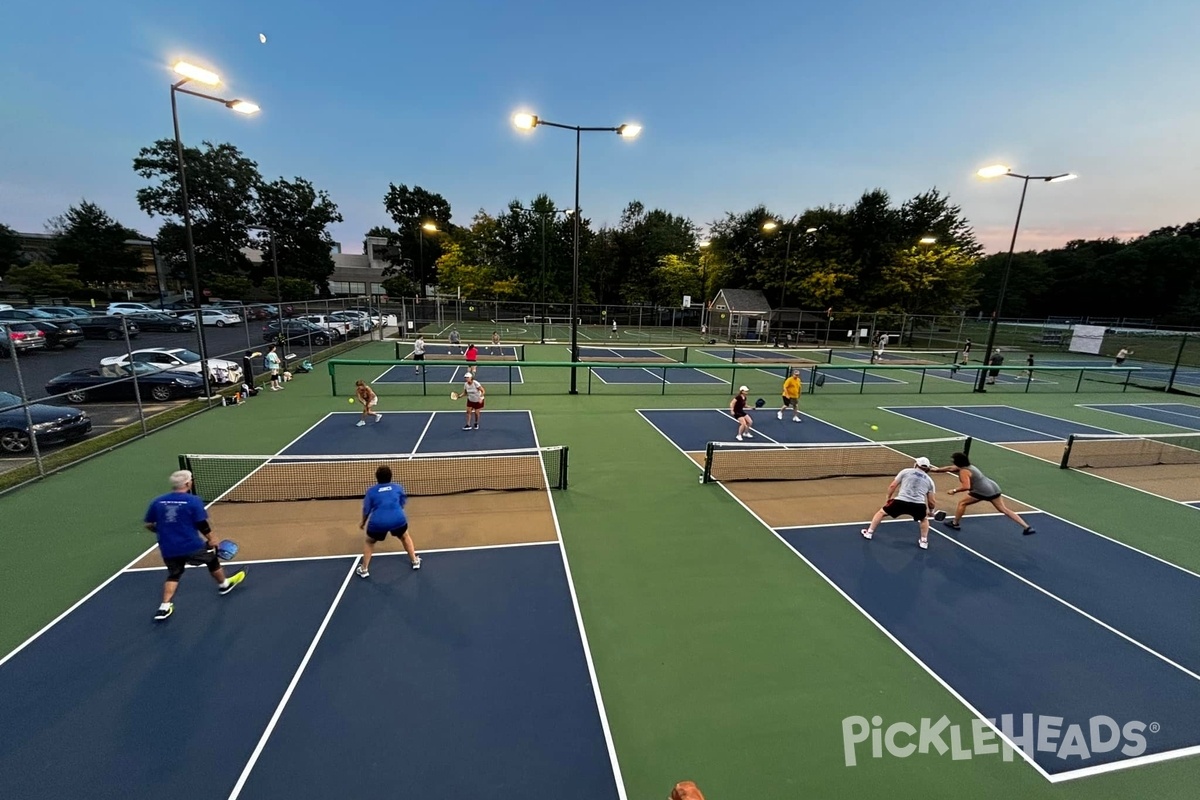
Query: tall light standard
529	122
771	225
996	171
190	72
431	228
274	268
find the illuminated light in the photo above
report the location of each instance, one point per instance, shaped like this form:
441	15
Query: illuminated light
197	74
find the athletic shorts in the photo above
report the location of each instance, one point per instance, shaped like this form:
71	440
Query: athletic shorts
981	497
380	535
477	406
897	508
418	356
790	401
205	557
739	414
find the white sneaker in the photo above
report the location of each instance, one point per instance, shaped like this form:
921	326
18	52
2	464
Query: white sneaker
379	417
778	415
923	544
867	533
796	419
361	572
749	435
359	424
738	437
417	564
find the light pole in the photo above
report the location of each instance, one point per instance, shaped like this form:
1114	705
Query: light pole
771	225
628	131
996	171
190	72
275	269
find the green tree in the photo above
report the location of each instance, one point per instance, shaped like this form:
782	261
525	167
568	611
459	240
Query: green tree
1030	284
929	279
410	209
296	289
677	276
10	249
458	270
299	216
231	286
44	280
222	187
86	236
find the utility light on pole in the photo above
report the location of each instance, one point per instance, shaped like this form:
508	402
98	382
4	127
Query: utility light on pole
771	225
998	171
190	72
627	131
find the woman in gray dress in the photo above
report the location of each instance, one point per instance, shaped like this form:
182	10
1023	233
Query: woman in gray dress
978	487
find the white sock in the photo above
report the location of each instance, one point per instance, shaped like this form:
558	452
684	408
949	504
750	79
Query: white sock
164	606
225	583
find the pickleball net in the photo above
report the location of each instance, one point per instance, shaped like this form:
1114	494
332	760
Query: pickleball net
917	357
634	355
451	352
268	479
767	461
1108	451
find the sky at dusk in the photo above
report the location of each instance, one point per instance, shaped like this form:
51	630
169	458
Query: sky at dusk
793	106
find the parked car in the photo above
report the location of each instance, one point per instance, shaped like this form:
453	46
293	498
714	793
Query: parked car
121	309
215	316
297	330
178	305
179	359
58	332
339	326
108	328
65	312
115	383
21	337
373	314
359	322
51	425
158	321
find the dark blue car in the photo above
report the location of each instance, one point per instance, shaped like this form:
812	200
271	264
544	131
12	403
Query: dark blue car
51	424
113	382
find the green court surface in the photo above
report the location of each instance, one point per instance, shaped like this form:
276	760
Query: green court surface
721	656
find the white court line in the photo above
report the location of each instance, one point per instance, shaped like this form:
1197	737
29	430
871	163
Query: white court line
287	695
421	438
587	650
1192	427
118	573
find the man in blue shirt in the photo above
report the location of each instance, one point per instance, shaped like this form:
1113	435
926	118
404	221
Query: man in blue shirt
383	513
180	522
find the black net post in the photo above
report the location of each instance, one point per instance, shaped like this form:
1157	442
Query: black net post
1066	458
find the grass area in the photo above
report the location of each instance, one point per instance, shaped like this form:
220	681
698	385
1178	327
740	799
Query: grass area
721	656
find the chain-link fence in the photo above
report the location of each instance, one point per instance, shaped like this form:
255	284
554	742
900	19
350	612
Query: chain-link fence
74	382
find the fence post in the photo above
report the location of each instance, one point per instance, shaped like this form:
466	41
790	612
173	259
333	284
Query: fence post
37	454
137	390
1178	359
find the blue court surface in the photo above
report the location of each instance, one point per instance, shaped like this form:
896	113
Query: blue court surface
652	376
1066	626
692	429
1179	415
1158	373
467	677
404	432
997	424
484	373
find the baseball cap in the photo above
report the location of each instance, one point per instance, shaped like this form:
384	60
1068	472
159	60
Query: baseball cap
744	389
923	463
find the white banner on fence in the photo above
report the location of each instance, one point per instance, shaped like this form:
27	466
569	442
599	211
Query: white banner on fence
1086	338
687	301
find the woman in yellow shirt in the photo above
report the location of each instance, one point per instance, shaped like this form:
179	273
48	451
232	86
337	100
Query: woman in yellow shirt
791	396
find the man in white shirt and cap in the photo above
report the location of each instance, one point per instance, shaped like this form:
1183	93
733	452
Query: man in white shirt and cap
911	493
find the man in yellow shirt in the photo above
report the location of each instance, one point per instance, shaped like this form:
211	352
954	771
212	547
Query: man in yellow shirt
791	396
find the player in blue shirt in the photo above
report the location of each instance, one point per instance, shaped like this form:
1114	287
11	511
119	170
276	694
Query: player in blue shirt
383	513
180	522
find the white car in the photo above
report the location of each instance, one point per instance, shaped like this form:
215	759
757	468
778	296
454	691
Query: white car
339	326
120	309
180	360
361	317
217	317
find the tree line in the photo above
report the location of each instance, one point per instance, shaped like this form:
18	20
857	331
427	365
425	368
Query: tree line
918	256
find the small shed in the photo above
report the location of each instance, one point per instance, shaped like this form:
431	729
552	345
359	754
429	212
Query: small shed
740	315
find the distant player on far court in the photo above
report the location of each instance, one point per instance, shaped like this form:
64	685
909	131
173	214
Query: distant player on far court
474	392
495	343
366	395
737	407
472	357
1122	354
791	396
418	353
966	351
383	514
979	487
910	493
180	522
614	333
454	340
